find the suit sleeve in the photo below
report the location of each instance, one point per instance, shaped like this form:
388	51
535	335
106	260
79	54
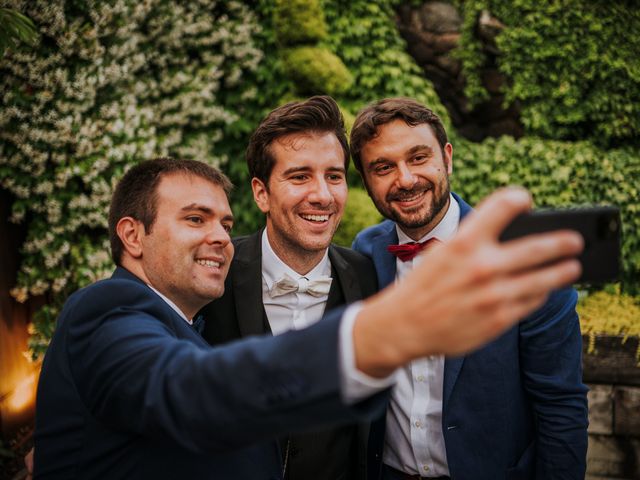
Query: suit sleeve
551	363
133	373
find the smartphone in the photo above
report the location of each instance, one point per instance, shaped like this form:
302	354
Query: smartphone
599	226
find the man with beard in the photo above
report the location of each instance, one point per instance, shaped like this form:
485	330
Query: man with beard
285	276
514	409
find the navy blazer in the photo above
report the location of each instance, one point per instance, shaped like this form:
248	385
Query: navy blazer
514	409
129	390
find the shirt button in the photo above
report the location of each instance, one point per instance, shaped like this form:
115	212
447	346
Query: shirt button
425	468
418	424
420	378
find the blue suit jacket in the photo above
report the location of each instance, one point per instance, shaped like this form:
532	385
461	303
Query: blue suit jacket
516	408
129	390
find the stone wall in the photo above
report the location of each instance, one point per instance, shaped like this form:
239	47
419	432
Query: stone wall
432	32
613	376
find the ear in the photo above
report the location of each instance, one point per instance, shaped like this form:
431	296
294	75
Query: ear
448	158
131	232
260	194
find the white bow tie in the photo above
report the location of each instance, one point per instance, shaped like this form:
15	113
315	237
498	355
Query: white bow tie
286	284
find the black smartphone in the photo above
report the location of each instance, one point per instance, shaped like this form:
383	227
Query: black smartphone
599	226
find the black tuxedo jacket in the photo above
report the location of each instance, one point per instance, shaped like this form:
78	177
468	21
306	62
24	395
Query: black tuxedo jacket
336	453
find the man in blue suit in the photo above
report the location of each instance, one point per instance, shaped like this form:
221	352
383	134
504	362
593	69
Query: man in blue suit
129	389
516	408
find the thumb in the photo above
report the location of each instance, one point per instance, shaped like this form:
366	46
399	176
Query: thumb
495	212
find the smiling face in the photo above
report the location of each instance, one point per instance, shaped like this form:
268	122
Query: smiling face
304	198
407	176
187	252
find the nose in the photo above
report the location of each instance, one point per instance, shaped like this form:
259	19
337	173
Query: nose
406	179
320	193
217	235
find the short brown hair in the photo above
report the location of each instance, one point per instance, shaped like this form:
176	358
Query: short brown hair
136	193
317	114
365	127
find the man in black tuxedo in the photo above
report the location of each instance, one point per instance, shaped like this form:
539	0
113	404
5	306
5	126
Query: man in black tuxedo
298	159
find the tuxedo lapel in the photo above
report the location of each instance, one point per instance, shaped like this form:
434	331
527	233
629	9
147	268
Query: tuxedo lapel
247	286
347	279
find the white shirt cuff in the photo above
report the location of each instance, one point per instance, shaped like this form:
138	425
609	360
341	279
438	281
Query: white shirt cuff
355	384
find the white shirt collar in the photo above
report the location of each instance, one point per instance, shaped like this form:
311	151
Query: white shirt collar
273	268
172	305
443	231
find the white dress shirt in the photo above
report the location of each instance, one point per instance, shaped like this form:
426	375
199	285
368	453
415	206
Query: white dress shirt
172	305
414	442
294	310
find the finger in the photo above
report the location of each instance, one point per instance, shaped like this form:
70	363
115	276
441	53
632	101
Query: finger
508	289
542	280
536	250
495	212
513	312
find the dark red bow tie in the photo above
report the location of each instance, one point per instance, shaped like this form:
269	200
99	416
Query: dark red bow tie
408	251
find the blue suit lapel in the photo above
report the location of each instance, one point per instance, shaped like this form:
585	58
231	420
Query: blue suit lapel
177	322
452	366
465	208
384	262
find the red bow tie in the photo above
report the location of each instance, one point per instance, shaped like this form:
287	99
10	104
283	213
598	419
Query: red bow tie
408	251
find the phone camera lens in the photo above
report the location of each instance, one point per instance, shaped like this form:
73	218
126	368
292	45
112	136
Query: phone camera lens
613	225
607	227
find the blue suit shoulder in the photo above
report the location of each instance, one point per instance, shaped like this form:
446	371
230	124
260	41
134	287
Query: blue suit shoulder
364	240
122	290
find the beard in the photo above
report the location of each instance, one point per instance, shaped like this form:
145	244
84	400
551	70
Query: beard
420	217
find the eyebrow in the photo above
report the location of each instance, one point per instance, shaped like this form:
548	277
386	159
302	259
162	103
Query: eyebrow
291	170
413	150
419	148
206	210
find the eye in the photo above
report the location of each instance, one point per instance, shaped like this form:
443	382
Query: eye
335	177
383	169
421	158
227	227
299	178
196	219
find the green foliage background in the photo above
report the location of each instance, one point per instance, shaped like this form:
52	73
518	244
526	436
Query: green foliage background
573	66
113	82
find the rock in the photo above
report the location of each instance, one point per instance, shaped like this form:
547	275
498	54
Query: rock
600	400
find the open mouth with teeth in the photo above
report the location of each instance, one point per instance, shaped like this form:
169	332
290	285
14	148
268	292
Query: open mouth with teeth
409	198
316	218
208	263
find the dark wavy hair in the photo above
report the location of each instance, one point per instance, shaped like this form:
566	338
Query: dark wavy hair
317	114
365	127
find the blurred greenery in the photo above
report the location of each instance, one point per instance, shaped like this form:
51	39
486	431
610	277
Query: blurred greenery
316	70
359	214
299	22
609	311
